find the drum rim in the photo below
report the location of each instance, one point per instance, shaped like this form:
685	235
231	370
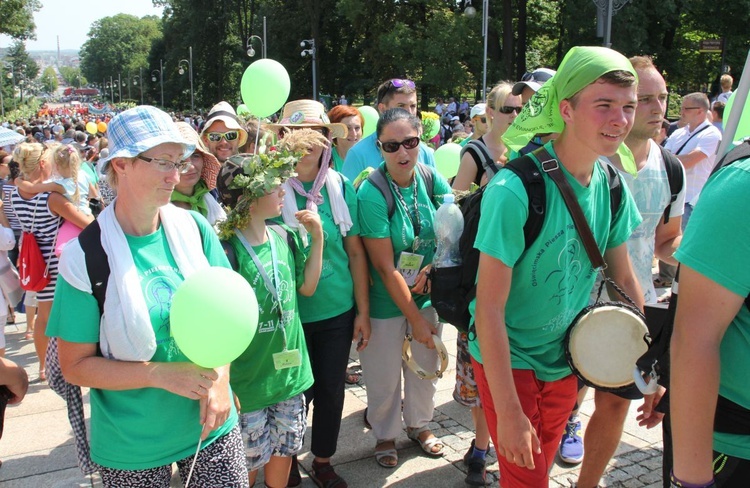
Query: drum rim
417	369
569	356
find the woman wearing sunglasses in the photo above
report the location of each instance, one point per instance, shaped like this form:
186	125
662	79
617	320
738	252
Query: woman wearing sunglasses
502	109
400	248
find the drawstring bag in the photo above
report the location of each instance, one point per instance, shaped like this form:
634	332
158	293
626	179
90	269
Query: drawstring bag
33	269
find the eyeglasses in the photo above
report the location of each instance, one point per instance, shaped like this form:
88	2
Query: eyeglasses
507	109
218	136
392	147
165	165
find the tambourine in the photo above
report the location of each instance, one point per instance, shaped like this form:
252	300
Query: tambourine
604	342
419	370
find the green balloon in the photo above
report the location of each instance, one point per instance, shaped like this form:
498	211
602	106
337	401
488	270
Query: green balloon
743	129
265	87
214	316
447	159
431	128
371	117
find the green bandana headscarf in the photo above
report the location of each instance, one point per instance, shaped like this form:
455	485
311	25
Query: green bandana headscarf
541	115
196	199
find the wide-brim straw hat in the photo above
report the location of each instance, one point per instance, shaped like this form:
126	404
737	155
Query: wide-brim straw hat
307	113
211	165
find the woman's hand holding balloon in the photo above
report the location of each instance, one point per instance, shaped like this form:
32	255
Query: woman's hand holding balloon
216	406
184	379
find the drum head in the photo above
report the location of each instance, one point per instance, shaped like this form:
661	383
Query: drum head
604	344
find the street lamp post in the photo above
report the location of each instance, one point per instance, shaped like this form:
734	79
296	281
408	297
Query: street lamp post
12	76
161	79
119	87
111	90
605	10
249	46
181	70
308	49
471	11
136	81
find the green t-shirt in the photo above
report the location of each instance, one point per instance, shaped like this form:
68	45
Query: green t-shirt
373	223
551	282
254	378
145	427
338	163
90	171
335	292
717	245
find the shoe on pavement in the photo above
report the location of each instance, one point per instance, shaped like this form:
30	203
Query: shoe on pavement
477	473
571	444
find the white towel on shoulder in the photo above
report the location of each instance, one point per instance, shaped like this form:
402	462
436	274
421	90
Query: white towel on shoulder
126	333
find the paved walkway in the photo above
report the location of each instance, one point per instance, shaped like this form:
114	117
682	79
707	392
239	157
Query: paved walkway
37	447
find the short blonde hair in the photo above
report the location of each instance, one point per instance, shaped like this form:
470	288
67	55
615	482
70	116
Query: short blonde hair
726	82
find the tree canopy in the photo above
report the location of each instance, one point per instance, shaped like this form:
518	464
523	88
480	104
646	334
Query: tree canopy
17	18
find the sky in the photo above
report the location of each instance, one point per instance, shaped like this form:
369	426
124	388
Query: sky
72	19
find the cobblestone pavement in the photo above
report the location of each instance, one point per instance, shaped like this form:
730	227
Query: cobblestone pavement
37	446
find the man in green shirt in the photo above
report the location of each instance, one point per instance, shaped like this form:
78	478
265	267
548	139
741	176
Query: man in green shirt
527	298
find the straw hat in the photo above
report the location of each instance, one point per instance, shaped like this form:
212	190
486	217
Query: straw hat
211	165
308	113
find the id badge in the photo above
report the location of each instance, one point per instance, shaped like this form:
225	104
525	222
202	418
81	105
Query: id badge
287	359
409	265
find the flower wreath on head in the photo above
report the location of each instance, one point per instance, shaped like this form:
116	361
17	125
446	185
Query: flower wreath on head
247	177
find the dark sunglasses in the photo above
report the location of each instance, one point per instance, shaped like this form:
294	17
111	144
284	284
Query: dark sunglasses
392	147
507	109
483	120
217	136
401	83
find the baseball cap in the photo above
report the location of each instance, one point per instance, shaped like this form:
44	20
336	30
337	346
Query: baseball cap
478	110
533	80
224	112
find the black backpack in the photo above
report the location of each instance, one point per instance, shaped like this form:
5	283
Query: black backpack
454	288
478	151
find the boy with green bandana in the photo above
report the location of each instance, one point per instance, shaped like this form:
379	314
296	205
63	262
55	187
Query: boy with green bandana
526	299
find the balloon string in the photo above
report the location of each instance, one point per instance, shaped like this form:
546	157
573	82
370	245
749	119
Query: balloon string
257	135
192	466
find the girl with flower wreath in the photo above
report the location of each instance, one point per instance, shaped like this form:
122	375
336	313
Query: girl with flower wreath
269	379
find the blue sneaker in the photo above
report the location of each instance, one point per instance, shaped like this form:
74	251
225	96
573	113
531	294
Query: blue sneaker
571	444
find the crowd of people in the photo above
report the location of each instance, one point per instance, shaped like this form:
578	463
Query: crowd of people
335	259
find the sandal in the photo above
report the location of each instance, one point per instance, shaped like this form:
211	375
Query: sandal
10	320
324	476
382	456
367	423
660	283
353	377
29	336
429	444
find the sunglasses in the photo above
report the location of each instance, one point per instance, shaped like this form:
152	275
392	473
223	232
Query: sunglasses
483	120
507	109
392	147
394	83
218	136
165	165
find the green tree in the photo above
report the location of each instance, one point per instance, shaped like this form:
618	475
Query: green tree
118	45
17	18
72	76
49	80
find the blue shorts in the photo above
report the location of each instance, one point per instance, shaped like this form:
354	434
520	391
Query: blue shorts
277	430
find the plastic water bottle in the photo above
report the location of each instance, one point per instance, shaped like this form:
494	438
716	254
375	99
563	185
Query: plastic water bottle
449	225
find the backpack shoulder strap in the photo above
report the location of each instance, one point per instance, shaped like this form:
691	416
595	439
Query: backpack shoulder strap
284	234
427	177
479	152
533	181
378	179
675	176
615	188
740	152
231	255
97	265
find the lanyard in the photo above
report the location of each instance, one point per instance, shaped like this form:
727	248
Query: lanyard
272	286
416	224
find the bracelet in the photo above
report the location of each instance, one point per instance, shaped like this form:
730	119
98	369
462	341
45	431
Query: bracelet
675	483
